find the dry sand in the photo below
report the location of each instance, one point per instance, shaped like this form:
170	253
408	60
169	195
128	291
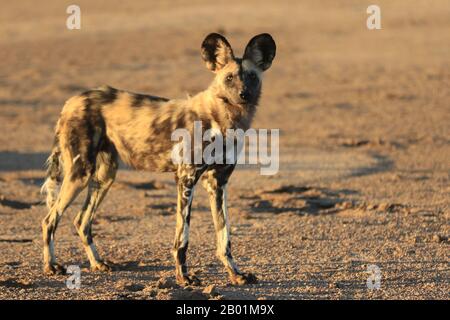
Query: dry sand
364	147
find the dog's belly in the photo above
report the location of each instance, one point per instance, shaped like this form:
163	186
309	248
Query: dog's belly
150	154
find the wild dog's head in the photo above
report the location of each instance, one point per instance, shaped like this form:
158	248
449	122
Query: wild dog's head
238	80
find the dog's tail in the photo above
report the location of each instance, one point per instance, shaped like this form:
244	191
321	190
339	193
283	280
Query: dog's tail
53	175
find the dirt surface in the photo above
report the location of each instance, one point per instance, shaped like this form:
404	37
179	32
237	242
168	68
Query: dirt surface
364	149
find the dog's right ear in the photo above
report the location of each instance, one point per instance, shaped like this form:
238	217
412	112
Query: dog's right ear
261	50
216	52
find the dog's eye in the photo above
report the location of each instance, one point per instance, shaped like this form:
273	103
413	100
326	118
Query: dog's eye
229	78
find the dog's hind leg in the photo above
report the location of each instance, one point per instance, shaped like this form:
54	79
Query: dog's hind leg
99	185
70	189
215	182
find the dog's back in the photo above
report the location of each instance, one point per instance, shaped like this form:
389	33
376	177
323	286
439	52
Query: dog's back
138	127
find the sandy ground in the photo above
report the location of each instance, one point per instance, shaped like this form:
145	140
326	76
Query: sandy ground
364	149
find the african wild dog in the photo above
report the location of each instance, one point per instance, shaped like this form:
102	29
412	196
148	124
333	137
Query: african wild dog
98	126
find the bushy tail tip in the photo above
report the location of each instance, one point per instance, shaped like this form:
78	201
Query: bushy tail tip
51	184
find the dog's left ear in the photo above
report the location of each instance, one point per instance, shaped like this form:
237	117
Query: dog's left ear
261	50
216	52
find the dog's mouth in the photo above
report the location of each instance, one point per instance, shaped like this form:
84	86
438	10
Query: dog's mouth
225	100
230	103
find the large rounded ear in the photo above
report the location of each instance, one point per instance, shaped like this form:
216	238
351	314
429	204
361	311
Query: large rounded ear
261	50
216	52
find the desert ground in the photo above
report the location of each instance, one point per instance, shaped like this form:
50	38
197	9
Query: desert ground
364	176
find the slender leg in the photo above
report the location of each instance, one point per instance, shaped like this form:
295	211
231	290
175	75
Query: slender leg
186	178
83	224
98	188
69	190
215	182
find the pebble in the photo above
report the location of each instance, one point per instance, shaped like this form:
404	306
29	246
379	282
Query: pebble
439	238
384	206
166	283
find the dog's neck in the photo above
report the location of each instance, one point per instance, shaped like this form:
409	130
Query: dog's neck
213	106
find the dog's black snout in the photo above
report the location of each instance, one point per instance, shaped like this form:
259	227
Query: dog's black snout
244	95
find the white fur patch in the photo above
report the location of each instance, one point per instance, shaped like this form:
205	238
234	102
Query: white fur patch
76	158
185	235
249	65
51	189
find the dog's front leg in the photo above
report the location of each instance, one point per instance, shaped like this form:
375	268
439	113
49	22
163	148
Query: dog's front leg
215	182
186	179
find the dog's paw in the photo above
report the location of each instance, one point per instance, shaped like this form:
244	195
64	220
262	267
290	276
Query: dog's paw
54	269
101	266
188	280
243	278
